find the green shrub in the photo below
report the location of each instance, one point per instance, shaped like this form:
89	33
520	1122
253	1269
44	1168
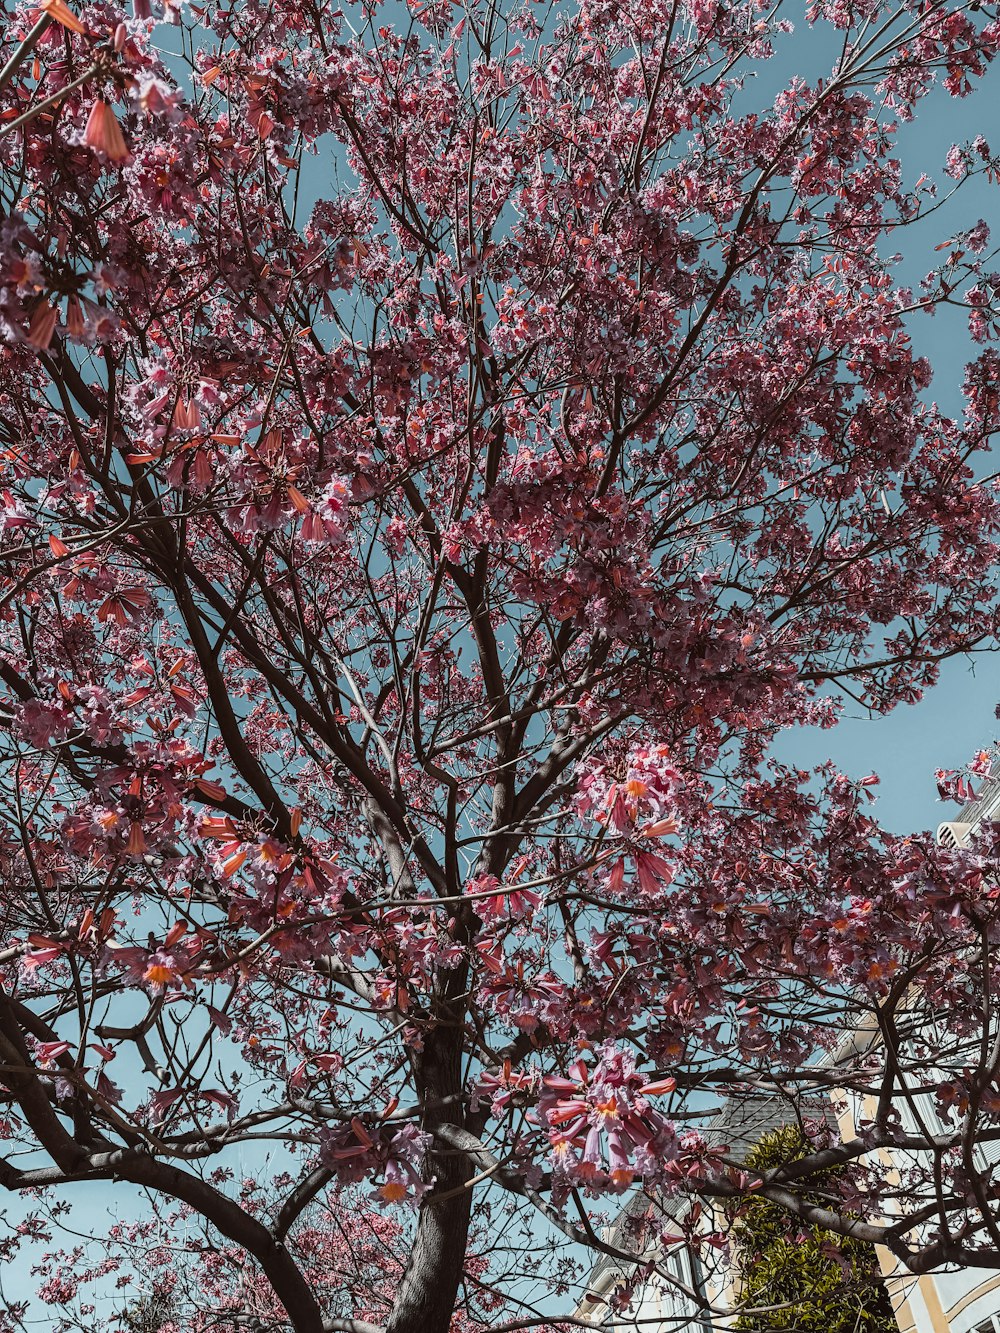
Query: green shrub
826	1283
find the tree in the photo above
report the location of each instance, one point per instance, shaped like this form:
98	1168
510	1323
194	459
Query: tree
147	1315
440	453
825	1283
179	1277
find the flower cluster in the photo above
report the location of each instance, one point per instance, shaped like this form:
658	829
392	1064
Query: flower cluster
355	1151
603	1129
646	788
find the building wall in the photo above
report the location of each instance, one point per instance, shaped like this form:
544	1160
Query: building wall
659	1305
963	1301
967	1301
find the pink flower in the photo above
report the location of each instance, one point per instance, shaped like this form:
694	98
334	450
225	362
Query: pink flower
326	520
61	12
42	325
653	872
160	1103
506	903
567	1110
225	1100
49	1051
158	99
161	969
74	317
591	1162
503	1087
187	414
622	1171
396	1186
104	135
37	957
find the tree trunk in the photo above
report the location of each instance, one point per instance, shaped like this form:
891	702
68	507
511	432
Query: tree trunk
429	1288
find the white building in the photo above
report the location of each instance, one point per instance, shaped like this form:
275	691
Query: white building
658	1304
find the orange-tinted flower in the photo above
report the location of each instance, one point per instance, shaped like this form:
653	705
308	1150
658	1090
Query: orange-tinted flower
175	934
216	827
123	607
104	135
660	1085
42	325
61	12
231	866
74	317
187	414
662	828
203	472
393	1191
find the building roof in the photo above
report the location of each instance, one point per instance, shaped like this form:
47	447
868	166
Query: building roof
985	805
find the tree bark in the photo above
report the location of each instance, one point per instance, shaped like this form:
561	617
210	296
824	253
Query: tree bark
428	1292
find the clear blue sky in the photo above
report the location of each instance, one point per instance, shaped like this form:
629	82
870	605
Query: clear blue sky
904	748
957	716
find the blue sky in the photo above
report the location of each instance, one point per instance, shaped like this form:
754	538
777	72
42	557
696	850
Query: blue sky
904	748
956	718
